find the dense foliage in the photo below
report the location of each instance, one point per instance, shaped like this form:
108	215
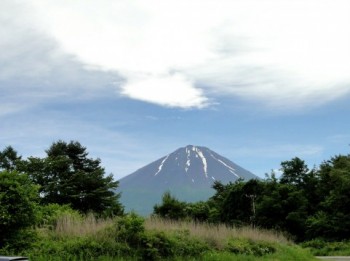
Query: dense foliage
18	205
131	237
305	203
68	176
34	189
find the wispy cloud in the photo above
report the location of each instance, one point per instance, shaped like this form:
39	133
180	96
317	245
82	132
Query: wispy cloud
286	54
285	151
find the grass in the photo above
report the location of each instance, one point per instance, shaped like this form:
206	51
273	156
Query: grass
75	238
216	235
73	226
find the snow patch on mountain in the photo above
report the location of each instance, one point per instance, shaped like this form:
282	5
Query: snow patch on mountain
204	161
188	161
161	165
232	170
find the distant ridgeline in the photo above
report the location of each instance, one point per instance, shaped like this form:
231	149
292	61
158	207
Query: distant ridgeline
187	173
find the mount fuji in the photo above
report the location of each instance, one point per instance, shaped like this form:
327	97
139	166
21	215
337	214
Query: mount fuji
187	173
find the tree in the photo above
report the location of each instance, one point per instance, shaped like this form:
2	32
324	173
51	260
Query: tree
68	176
198	211
293	171
235	203
8	159
18	204
283	207
332	220
170	207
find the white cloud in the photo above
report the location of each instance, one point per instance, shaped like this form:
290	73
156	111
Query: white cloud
33	68
279	52
169	90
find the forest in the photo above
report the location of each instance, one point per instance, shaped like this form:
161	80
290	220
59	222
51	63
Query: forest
65	205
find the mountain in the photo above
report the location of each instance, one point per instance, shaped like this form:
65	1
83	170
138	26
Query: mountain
188	173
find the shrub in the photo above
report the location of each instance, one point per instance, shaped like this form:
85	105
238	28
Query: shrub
18	206
159	245
51	213
85	248
323	248
129	229
250	247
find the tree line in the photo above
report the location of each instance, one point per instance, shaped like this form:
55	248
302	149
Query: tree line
305	203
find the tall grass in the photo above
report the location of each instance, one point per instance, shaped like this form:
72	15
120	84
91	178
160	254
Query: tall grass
68	225
132	238
89	225
216	235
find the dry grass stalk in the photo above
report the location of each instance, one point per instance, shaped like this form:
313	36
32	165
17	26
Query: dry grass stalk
215	234
69	225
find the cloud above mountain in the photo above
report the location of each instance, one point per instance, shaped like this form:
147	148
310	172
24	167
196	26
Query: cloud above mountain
281	53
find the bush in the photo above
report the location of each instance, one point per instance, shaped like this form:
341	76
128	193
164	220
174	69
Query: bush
159	245
49	214
129	229
78	248
323	248
18	206
250	247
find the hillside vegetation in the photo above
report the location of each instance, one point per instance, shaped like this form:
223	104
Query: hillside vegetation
64	207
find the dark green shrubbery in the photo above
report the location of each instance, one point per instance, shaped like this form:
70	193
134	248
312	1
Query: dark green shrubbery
321	247
86	248
159	245
250	247
18	209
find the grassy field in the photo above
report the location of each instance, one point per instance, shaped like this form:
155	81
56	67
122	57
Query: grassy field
133	238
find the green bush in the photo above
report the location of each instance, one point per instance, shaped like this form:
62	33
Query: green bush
78	248
129	229
158	245
49	214
155	246
18	207
323	248
250	247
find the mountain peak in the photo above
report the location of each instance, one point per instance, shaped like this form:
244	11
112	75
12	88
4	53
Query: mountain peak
188	170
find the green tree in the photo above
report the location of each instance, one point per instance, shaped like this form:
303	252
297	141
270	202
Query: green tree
170	207
18	204
235	203
293	171
9	159
198	211
283	207
332	220
68	176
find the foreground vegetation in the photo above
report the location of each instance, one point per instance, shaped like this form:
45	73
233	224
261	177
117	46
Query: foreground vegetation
64	207
320	247
74	237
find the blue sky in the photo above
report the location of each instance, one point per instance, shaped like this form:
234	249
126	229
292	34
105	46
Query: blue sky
259	82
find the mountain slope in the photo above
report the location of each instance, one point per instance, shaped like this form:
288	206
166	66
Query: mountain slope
188	173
